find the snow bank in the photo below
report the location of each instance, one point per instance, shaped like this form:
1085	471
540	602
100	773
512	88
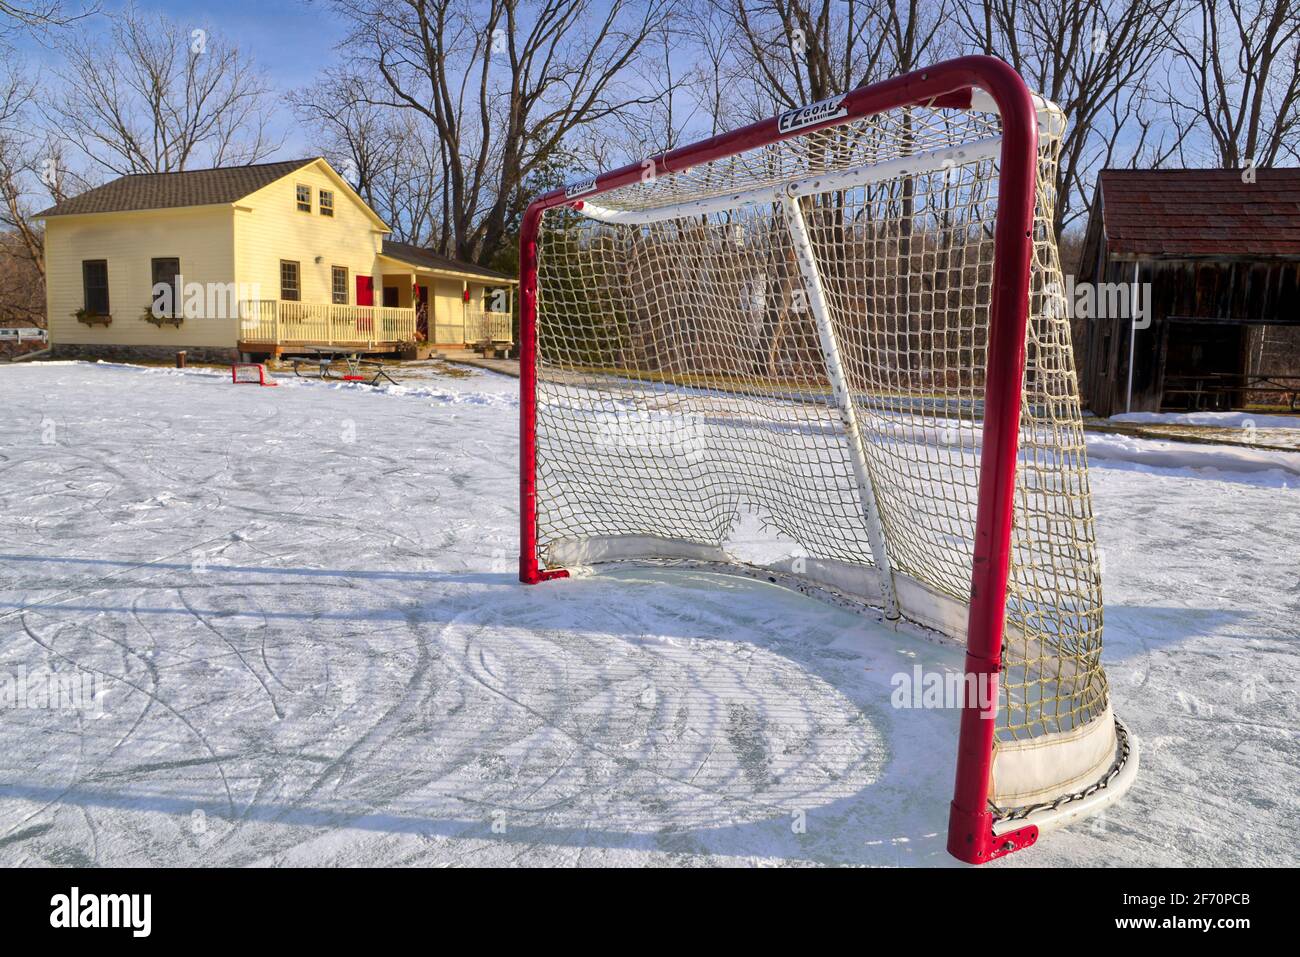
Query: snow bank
1158	454
473	388
1223	420
476	388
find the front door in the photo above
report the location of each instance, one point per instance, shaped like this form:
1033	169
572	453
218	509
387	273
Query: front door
365	297
365	291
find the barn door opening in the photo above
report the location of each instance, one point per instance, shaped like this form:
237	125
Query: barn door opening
1204	364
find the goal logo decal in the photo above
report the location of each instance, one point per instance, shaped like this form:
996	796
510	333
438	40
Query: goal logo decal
580	188
819	112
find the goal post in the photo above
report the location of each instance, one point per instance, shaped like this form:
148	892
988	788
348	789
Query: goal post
847	318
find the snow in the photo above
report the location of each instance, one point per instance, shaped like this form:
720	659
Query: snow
1153	453
1223	420
302	605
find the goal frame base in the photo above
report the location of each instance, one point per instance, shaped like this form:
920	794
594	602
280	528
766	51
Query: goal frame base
536	575
971	838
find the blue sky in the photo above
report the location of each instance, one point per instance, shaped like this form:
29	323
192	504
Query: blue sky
291	40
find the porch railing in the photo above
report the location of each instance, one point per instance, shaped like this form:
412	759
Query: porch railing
282	321
485	326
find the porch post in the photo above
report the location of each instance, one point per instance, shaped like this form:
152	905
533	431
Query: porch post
1132	333
415	306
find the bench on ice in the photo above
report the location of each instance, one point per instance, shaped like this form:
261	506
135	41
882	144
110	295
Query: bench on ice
353	360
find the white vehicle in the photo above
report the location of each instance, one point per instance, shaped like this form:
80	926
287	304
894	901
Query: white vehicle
22	334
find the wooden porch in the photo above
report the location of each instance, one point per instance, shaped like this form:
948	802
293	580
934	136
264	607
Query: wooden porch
277	326
485	328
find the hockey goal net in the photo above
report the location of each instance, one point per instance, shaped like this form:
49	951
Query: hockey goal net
848	322
251	373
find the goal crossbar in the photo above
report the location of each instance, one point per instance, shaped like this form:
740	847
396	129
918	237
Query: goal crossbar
978	829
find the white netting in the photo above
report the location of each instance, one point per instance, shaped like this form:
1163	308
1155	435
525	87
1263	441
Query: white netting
682	382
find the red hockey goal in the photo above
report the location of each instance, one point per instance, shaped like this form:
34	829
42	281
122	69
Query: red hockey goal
848	319
251	373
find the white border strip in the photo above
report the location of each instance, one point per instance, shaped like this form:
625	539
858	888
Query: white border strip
1051	818
928	162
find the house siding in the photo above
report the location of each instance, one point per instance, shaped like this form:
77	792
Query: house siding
199	236
447	305
269	228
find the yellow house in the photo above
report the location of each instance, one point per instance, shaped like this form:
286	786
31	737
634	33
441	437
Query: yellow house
258	260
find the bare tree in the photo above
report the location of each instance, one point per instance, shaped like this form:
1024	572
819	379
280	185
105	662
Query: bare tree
39	15
785	53
32	175
1090	57
388	154
354	134
33	172
709	76
774	55
410	189
1241	61
15	217
23	163
22	286
156	96
660	122
505	86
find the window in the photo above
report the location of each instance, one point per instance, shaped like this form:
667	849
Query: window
327	202
339	285
390	297
94	281
165	271
304	198
289	288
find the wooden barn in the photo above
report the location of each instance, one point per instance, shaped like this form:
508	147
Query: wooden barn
1214	319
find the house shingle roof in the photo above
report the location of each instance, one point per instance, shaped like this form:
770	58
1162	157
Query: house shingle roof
1201	212
198	187
416	256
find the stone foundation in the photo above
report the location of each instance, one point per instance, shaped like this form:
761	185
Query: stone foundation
119	353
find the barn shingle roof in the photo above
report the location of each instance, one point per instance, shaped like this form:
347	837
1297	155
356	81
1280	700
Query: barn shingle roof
1201	212
197	187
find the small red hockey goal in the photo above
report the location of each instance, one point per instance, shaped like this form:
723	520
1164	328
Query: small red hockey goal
250	373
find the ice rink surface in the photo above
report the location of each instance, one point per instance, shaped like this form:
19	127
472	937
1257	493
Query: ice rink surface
299	609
